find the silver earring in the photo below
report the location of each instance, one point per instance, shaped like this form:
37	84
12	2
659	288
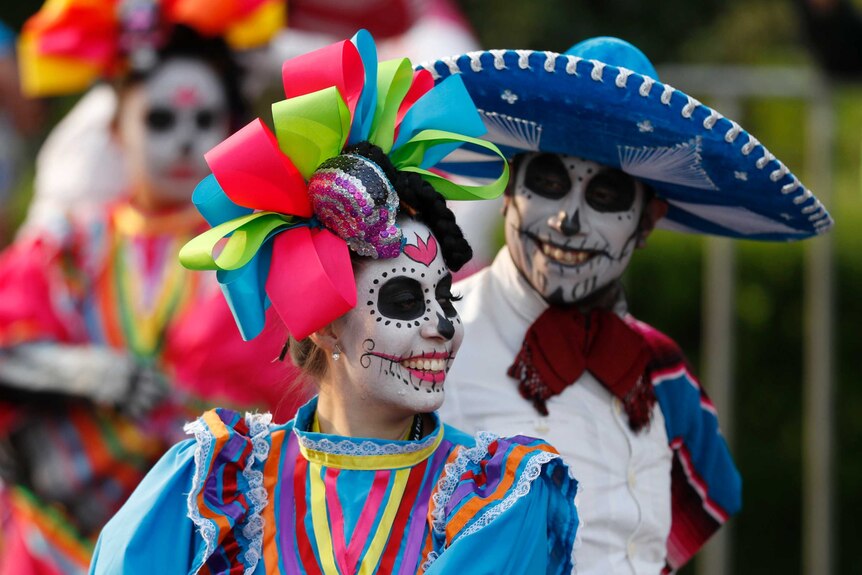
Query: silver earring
336	354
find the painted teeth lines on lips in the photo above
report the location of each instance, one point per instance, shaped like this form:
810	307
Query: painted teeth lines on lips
565	256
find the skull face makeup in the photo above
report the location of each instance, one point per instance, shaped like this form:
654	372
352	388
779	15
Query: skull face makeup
167	123
399	341
572	224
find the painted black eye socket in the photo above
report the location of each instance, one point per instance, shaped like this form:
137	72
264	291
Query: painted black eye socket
443	293
401	298
611	191
547	176
205	119
160	119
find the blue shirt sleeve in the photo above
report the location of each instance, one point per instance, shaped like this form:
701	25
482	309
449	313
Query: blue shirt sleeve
152	533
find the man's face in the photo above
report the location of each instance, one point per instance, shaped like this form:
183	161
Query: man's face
167	123
399	341
571	224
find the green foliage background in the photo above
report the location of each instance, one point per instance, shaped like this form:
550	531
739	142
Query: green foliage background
664	281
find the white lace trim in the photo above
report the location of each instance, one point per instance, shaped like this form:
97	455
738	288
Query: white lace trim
353	447
449	481
252	530
206	527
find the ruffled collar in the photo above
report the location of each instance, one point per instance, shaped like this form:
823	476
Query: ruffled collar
360	453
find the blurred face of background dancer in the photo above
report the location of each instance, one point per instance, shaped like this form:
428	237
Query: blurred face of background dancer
165	124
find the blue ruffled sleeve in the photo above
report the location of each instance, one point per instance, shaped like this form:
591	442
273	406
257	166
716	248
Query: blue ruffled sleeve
505	505
199	506
152	533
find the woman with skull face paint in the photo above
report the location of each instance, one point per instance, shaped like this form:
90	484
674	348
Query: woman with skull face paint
337	223
601	151
107	345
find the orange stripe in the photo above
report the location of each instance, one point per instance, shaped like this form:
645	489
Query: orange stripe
218	429
107	297
101	460
73	550
271	473
470	509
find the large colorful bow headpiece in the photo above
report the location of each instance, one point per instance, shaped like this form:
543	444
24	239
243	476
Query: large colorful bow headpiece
287	207
69	44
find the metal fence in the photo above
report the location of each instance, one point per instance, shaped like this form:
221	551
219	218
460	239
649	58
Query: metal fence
727	88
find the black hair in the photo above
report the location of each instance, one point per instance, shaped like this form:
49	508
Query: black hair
424	203
183	41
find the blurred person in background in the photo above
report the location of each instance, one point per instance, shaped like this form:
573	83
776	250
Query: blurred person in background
107	345
602	152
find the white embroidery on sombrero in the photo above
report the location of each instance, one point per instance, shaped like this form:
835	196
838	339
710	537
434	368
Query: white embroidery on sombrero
743	176
739	220
510	131
645	126
678	164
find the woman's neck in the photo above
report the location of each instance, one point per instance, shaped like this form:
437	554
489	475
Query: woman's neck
351	417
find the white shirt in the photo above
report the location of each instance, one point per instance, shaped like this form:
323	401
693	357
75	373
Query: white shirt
624	502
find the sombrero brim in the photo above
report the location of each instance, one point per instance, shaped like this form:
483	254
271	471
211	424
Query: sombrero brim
715	176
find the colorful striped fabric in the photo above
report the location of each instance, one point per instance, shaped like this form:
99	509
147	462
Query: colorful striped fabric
114	281
282	499
706	488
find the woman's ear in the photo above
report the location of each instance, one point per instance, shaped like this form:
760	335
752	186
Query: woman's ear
325	338
654	210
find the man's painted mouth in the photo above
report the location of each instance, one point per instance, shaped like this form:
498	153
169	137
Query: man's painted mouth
564	255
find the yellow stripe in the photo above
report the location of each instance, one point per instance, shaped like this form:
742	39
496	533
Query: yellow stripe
320	520
384	528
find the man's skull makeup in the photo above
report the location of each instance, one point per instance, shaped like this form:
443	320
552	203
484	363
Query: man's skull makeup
399	341
168	122
572	224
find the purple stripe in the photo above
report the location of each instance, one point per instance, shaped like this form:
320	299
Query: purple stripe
493	473
213	495
416	527
232	449
287	509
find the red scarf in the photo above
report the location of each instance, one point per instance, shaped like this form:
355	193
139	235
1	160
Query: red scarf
563	342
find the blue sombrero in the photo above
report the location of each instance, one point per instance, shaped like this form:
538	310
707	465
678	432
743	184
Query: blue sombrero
602	101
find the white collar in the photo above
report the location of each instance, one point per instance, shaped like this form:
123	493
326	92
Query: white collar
514	289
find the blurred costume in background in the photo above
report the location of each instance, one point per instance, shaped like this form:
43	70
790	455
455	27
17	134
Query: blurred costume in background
108	345
601	152
341	195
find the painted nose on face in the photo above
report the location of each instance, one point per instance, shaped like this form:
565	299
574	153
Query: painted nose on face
565	224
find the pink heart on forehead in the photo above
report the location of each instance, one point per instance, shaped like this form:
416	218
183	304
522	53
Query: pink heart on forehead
186	97
423	252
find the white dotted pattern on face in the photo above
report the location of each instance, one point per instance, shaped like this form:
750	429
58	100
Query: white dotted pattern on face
565	247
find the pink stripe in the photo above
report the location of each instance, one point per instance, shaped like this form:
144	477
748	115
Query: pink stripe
336	520
366	519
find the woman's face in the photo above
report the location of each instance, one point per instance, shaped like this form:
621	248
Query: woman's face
166	124
399	341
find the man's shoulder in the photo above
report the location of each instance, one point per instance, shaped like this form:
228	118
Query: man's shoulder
664	349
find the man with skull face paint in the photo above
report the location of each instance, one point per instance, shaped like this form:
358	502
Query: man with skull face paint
350	240
600	153
107	344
